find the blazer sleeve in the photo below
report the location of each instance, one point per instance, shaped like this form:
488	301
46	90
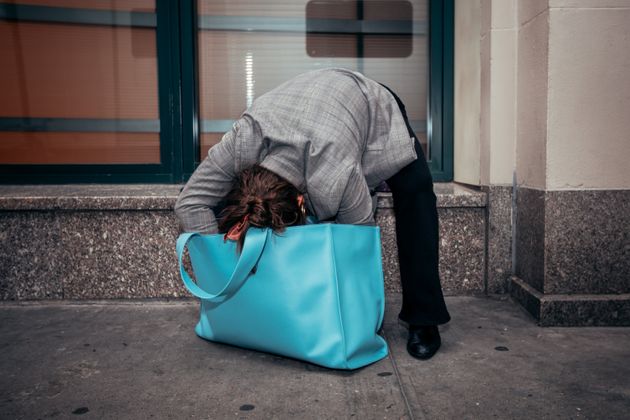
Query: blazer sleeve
356	202
208	185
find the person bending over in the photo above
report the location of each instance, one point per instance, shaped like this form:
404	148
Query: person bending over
320	144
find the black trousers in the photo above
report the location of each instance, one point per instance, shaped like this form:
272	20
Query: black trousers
417	237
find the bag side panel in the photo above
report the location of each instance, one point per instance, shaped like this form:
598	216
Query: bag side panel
361	292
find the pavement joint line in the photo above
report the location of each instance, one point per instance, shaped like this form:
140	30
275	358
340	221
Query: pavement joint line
398	378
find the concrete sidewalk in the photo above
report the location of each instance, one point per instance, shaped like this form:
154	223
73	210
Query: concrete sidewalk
139	360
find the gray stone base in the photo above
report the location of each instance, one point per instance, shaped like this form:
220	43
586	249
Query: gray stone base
88	255
572	310
118	242
573	242
462	219
499	237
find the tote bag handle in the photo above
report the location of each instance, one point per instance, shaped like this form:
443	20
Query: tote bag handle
252	250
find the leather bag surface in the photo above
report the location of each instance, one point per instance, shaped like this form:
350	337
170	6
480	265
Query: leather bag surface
313	292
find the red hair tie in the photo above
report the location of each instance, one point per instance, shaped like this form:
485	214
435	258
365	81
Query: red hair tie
235	233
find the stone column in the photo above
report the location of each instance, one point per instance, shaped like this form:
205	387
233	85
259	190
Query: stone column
572	224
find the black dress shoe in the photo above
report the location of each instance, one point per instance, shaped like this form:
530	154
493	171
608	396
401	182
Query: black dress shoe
423	341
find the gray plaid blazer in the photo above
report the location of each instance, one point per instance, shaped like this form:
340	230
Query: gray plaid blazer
333	133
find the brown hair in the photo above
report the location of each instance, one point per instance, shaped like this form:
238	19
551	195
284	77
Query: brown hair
261	198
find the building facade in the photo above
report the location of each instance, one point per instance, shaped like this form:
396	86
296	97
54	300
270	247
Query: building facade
521	106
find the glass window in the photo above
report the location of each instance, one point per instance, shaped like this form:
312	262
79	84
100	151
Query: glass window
77	93
139	90
247	47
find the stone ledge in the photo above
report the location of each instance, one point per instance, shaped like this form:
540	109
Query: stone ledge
163	196
572	310
449	195
89	197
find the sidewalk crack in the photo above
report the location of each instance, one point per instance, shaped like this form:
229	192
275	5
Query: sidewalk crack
398	378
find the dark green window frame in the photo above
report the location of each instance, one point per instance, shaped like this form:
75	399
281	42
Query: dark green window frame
441	67
178	124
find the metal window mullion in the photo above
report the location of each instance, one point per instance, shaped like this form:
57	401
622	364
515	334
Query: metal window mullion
70	15
190	101
448	67
169	87
301	25
102	125
440	118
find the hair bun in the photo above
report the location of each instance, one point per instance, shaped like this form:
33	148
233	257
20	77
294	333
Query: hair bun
261	198
258	210
254	201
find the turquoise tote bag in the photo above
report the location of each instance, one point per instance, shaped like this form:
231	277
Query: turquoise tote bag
313	292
